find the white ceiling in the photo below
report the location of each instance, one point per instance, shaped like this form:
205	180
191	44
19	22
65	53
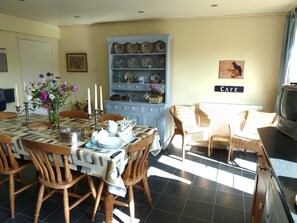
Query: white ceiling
63	12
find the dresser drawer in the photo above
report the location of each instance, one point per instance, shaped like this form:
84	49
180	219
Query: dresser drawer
116	107
133	108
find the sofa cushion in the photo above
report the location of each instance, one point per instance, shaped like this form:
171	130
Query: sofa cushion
257	119
186	114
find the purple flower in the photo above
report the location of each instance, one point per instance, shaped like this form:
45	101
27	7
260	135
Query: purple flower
54	81
41	76
64	84
60	91
74	88
43	96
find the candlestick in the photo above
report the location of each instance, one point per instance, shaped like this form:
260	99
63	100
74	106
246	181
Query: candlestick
89	101
101	100
25	93
16	95
96	104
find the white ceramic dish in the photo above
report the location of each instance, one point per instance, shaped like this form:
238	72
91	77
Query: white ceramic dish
110	143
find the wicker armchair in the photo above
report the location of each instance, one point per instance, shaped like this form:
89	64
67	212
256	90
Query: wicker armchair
191	120
243	129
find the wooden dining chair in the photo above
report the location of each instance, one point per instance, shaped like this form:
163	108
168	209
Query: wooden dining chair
135	172
74	114
51	161
7	115
12	168
114	117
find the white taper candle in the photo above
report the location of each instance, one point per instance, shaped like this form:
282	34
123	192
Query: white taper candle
96	103
89	101
101	99
16	95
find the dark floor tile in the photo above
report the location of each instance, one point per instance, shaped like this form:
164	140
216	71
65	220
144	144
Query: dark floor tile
231	169
204	195
230	215
197	209
156	185
210	163
204	183
170	203
229	200
186	219
229	189
165	167
184	175
19	218
140	197
177	189
141	213
162	216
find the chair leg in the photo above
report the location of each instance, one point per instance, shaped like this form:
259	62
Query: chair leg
131	203
91	185
39	202
147	191
99	192
209	147
230	153
66	205
11	194
183	148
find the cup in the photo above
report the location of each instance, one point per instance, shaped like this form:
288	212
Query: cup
123	124
113	130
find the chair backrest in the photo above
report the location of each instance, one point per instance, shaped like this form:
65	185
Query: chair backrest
48	159
243	116
74	114
138	160
114	117
7	115
193	117
7	160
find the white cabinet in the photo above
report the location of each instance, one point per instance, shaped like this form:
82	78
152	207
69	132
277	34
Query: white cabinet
138	64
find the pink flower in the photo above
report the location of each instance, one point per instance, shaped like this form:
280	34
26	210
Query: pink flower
43	96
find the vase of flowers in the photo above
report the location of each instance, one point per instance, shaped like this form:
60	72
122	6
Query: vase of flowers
50	94
155	95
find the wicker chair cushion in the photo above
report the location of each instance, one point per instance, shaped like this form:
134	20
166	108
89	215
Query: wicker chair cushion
257	119
187	115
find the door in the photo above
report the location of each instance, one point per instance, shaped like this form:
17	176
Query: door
36	57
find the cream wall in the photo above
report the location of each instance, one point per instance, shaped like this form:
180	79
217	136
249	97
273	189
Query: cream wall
10	29
197	47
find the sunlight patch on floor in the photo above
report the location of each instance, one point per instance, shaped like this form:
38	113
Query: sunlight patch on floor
246	164
124	217
154	171
211	173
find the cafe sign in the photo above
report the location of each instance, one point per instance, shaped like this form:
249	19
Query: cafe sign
233	89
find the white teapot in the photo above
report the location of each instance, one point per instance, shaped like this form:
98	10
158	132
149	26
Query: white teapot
126	125
96	135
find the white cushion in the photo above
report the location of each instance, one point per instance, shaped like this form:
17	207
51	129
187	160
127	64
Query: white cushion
257	119
186	114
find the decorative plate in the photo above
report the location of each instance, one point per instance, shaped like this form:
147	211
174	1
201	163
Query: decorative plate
132	47
120	62
146	47
155	78
132	62
147	62
110	143
160	46
129	77
118	48
161	61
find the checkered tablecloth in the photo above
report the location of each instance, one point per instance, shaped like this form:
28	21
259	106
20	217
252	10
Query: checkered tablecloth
96	162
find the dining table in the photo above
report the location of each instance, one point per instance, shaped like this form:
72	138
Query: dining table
105	163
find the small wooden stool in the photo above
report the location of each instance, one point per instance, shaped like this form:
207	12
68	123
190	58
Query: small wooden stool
217	138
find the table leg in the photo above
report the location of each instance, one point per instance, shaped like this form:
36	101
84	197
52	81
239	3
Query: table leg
108	206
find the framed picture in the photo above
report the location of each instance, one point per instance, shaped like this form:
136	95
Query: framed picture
231	69
3	60
77	62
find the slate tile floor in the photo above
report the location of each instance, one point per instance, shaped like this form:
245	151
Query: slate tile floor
200	190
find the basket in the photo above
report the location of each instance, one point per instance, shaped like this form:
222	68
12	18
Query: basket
155	99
